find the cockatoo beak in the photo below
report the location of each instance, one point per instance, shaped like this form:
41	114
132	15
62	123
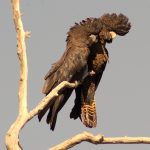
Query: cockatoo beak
113	34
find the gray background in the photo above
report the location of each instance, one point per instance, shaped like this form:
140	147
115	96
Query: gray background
123	95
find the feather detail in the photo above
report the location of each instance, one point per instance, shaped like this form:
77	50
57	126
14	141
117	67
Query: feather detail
85	52
88	114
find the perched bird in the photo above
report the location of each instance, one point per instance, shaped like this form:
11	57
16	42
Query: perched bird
85	104
83	61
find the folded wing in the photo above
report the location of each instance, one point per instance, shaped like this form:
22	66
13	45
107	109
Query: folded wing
71	67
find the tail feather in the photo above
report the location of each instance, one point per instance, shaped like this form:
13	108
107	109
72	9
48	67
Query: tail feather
52	116
43	112
85	104
88	114
53	111
49	114
76	110
56	107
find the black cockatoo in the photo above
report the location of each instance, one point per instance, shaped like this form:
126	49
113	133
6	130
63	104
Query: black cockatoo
83	61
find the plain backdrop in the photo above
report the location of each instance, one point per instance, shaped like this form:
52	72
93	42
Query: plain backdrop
123	96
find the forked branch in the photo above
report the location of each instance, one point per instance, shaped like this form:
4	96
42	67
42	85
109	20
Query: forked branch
12	136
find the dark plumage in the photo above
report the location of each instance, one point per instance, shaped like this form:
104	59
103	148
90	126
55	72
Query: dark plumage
85	104
82	56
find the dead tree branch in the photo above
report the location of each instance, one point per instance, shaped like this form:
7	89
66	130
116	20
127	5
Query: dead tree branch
49	97
12	136
99	139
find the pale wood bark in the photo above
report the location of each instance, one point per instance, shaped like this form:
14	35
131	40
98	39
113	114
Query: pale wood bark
12	136
99	139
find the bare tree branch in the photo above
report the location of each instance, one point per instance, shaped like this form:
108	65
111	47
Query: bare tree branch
49	97
12	136
99	139
11	139
21	35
